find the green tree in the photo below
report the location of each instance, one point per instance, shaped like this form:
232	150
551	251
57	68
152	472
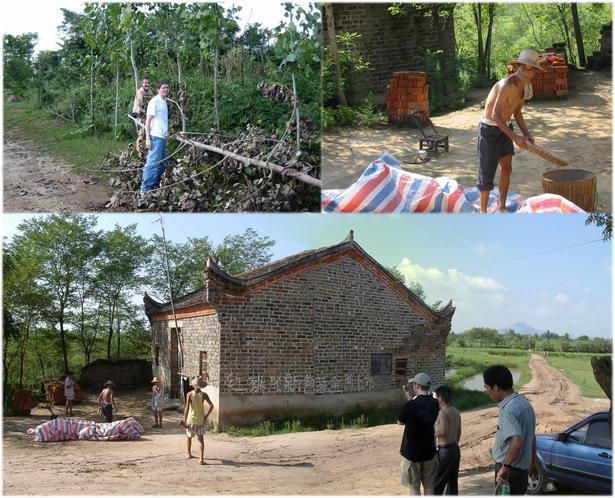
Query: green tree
17	61
119	273
188	261
60	245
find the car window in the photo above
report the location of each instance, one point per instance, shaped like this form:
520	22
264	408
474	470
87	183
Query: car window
578	436
598	434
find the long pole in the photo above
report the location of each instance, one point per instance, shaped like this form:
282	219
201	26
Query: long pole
168	271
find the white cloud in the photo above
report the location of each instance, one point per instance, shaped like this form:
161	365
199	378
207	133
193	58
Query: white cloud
452	280
562	298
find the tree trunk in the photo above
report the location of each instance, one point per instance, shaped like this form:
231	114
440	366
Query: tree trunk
118	336
216	102
91	85
488	41
563	14
180	75
577	34
603	368
336	61
478	19
117	98
63	343
135	70
298	121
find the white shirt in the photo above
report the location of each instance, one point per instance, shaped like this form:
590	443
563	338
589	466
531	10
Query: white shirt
159	124
69	391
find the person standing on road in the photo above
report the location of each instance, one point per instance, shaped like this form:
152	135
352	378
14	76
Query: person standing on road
194	416
514	450
107	401
418	449
69	393
156	128
157	398
448	432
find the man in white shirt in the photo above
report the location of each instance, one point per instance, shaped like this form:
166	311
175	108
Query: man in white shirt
156	127
69	393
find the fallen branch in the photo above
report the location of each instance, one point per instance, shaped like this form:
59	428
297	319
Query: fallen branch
256	162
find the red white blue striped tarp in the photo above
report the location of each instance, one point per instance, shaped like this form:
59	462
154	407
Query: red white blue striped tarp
385	188
66	429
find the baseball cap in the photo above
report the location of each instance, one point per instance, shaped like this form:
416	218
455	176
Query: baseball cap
422	379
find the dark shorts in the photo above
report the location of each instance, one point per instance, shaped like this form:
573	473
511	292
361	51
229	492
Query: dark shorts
107	411
493	145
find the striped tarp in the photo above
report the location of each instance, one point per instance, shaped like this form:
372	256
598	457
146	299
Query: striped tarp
385	188
127	429
60	429
66	429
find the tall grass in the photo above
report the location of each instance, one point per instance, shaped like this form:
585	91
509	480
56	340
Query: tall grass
577	367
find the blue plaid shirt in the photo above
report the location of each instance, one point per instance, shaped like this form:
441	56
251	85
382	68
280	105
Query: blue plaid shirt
516	419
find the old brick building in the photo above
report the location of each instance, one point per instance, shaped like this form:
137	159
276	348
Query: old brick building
323	331
397	42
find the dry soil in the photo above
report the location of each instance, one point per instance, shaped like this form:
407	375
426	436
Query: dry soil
342	462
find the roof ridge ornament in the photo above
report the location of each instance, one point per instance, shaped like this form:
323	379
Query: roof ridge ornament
350	237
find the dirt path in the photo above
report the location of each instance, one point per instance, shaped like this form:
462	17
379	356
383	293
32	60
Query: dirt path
577	129
35	182
343	462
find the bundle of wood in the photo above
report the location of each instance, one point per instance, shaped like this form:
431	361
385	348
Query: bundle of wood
197	179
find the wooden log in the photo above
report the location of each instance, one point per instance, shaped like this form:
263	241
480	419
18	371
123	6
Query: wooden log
255	162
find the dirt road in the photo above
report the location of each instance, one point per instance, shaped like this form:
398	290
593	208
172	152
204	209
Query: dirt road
35	182
343	462
577	129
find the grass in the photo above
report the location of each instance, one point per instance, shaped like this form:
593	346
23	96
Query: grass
59	139
471	361
577	367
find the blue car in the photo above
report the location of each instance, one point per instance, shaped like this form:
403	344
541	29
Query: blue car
581	458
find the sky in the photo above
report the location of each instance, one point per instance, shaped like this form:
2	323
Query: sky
549	271
44	16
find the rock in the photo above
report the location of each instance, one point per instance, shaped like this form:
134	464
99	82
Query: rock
14	98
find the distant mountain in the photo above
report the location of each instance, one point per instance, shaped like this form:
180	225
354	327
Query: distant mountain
521	328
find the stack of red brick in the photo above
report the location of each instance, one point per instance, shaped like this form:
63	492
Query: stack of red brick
407	91
552	84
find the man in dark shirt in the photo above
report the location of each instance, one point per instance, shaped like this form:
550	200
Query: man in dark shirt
418	448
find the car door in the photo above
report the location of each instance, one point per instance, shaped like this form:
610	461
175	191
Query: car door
584	459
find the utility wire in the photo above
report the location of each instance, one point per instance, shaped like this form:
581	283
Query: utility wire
546	251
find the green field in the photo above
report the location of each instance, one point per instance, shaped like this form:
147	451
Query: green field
60	139
577	367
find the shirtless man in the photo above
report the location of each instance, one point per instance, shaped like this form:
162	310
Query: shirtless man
495	133
107	401
143	91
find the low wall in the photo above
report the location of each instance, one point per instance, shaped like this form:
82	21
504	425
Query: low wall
124	373
249	409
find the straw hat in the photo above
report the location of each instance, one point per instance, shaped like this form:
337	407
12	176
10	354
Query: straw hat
529	57
156	380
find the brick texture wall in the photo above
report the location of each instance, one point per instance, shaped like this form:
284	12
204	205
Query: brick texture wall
315	332
393	43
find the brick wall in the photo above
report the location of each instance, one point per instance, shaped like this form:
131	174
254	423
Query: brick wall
392	43
124	373
314	332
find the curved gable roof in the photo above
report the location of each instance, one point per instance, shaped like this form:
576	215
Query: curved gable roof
236	286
